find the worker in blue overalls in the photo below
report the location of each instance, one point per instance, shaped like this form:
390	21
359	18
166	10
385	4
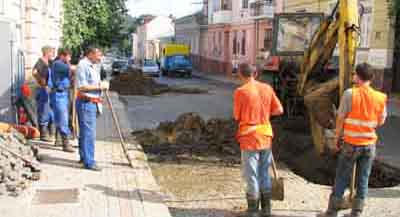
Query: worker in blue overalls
60	83
45	115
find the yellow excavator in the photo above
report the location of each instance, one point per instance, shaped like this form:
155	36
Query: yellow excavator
319	90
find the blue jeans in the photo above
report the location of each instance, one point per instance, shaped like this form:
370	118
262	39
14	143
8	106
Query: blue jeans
45	113
59	102
255	165
364	157
87	112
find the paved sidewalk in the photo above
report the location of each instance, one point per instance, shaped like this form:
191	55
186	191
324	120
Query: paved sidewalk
67	190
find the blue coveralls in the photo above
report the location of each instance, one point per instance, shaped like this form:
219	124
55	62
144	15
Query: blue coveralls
59	82
86	74
44	111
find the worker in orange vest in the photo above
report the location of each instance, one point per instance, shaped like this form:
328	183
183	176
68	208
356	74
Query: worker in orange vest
254	103
362	109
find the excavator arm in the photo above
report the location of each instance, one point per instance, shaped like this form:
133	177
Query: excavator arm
319	97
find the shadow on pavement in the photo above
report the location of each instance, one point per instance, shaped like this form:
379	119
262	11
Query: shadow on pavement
136	194
384	193
50	160
181	212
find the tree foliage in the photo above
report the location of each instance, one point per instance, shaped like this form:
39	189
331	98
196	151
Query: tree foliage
93	22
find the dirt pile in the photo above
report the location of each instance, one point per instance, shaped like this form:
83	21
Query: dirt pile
15	173
135	83
190	137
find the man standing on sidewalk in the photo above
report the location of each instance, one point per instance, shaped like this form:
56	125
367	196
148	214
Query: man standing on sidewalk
254	103
45	115
88	105
362	109
60	83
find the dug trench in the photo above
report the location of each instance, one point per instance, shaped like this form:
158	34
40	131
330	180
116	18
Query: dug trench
193	140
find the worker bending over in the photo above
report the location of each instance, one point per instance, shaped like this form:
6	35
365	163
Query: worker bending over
60	84
362	109
254	104
41	72
88	105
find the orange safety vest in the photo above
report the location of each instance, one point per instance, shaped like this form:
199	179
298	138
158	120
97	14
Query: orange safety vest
262	129
367	108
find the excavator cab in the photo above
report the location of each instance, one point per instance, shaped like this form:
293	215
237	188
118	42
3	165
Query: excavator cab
307	44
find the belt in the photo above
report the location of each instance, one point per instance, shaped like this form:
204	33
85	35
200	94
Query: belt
89	99
59	90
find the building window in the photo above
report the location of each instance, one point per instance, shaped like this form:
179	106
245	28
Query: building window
378	35
243	52
268	39
220	43
245	4
235	42
226	4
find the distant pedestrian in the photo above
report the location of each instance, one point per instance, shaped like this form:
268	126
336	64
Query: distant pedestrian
45	115
60	84
88	105
254	103
362	109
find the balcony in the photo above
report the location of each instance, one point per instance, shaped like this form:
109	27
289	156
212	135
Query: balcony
222	16
262	9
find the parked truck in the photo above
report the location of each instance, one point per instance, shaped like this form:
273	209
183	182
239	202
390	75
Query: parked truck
175	60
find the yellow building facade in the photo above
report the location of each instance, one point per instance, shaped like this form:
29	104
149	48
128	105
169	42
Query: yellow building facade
377	33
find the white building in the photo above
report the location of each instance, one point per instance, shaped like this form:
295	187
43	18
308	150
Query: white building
26	26
152	34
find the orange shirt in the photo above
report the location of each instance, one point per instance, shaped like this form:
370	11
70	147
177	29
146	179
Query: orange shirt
252	105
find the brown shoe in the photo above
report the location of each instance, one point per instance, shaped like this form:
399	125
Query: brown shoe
67	147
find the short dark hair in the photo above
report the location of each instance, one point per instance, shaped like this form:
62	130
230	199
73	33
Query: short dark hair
364	72
246	70
91	49
64	51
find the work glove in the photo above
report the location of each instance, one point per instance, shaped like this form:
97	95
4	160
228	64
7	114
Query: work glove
104	85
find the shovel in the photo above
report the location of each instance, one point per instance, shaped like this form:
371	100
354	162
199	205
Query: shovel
278	188
117	125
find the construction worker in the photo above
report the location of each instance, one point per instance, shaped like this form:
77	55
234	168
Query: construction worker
362	109
60	83
45	114
88	105
254	103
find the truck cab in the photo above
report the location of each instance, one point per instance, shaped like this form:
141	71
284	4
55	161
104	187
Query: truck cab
175	60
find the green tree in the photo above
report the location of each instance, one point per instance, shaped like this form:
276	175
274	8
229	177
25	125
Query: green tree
93	22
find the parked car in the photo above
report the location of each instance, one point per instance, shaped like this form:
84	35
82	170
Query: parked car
107	64
150	68
119	66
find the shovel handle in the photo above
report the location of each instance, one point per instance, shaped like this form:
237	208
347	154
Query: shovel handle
353	180
116	122
274	169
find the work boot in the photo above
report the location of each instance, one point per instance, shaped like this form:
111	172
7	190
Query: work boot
67	147
44	134
333	207
252	206
358	206
58	141
266	205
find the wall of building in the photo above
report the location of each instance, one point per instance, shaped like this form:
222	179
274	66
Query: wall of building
377	36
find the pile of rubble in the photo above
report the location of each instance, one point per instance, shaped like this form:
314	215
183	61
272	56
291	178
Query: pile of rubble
191	137
18	165
135	83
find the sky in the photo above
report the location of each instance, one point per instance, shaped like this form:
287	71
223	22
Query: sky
178	8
